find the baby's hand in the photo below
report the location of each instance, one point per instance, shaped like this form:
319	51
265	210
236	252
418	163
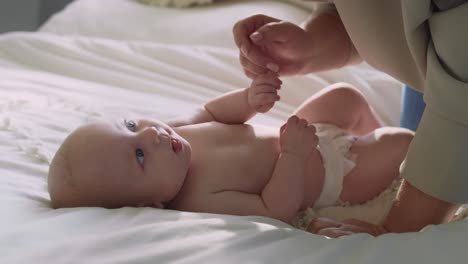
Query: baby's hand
297	137
263	92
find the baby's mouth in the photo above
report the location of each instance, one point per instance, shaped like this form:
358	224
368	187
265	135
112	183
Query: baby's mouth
176	145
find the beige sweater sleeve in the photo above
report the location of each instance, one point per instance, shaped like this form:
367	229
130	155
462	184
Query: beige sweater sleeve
427	50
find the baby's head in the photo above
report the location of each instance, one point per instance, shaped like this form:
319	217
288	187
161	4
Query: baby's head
116	164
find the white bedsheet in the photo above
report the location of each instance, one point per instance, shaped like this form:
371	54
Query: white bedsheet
52	82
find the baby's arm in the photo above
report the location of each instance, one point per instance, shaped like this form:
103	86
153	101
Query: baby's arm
284	193
240	105
199	116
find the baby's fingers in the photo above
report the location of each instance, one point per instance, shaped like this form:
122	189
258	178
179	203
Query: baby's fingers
292	120
296	122
291	125
264	102
302	123
268	97
269	78
265	89
310	130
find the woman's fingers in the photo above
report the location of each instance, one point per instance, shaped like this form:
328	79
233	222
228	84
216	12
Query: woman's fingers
249	66
331	228
320	223
334	232
252	58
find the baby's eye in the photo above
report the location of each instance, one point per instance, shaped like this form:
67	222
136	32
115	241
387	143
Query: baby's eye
140	156
131	125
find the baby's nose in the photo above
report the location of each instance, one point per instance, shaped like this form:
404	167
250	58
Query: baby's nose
153	135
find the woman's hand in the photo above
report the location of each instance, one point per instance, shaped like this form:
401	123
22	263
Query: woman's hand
331	228
269	44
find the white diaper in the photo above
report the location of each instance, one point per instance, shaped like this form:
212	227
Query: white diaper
334	145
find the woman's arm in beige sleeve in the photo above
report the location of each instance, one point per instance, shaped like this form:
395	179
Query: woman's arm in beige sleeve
436	169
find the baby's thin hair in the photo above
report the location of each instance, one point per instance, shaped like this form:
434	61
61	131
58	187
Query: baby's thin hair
61	186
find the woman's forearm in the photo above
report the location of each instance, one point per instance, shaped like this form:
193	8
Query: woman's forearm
331	44
413	210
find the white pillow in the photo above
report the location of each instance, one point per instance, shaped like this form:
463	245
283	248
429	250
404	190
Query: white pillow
187	3
175	3
309	5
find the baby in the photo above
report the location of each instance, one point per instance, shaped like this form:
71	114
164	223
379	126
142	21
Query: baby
331	150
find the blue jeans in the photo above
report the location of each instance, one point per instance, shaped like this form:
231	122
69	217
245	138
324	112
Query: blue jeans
412	107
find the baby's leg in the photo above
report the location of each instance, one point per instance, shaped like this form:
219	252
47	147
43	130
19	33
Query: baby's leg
342	105
379	155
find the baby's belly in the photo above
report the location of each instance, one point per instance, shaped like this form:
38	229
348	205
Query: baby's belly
243	158
248	168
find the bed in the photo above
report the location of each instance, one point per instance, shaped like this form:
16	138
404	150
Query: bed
118	58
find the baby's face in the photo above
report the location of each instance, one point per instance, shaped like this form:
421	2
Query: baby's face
131	158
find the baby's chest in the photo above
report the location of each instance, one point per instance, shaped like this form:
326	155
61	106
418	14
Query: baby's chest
243	166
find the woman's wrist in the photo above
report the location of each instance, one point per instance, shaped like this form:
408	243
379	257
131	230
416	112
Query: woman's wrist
329	44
